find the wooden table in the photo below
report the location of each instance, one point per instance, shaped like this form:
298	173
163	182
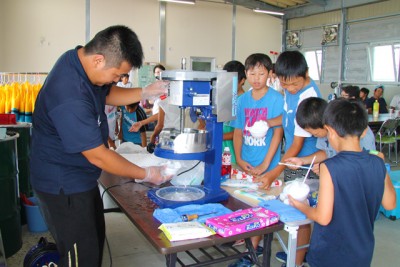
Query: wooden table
133	201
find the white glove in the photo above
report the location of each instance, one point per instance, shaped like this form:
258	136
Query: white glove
156	175
154	90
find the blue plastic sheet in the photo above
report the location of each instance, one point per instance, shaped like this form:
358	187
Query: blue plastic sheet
203	211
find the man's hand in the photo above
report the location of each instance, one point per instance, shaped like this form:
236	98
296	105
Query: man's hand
156	175
154	90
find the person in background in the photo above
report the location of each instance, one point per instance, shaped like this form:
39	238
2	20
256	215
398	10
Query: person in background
69	140
129	115
395	103
112	121
273	80
125	83
292	71
112	114
155	105
364	94
233	66
378	95
350	92
352	182
257	154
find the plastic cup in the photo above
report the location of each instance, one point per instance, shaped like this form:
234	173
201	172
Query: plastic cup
298	190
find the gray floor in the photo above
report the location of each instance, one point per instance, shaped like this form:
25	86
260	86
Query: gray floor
129	248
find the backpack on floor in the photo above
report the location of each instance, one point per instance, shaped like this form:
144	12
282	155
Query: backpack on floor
44	253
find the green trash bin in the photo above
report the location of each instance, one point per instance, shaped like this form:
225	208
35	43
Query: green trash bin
10	221
24	130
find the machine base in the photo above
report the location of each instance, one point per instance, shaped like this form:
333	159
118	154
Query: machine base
214	197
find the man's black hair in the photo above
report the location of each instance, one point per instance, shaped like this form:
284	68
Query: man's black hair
159	66
309	113
347	118
117	44
365	91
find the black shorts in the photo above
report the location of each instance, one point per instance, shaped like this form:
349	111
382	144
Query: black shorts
77	224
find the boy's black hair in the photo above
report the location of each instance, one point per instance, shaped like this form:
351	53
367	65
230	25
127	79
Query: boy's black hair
258	59
235	66
309	113
352	90
117	44
291	64
346	117
365	91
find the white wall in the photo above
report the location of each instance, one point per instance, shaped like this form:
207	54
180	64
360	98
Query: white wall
36	33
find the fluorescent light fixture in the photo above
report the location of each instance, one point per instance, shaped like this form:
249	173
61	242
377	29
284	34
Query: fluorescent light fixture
268	12
190	2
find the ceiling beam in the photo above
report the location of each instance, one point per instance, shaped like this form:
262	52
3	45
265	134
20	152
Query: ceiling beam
307	10
318	2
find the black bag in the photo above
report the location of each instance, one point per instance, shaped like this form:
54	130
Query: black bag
43	254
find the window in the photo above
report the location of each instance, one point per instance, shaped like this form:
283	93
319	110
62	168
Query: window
385	62
314	62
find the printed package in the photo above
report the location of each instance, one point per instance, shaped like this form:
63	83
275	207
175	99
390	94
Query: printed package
242	221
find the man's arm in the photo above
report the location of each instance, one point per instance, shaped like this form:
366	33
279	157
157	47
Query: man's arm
119	96
112	162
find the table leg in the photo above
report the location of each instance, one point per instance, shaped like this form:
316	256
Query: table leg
267	241
171	259
292	245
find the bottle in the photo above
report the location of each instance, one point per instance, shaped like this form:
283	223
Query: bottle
226	166
375	110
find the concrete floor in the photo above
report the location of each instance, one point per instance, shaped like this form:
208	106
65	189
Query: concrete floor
129	248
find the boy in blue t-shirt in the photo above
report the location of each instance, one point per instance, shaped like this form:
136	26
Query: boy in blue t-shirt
257	154
353	185
131	114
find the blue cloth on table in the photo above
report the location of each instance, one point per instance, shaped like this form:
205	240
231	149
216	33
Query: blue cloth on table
286	213
174	215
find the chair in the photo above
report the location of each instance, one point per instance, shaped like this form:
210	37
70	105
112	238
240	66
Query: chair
387	135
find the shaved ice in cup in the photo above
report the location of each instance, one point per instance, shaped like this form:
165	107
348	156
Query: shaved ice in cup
297	189
259	129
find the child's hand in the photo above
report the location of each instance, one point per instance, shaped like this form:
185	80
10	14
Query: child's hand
244	165
297	204
135	127
265	180
294	161
259	169
315	168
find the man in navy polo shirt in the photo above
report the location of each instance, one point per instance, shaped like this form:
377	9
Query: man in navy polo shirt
69	140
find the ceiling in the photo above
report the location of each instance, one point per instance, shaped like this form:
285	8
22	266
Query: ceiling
300	8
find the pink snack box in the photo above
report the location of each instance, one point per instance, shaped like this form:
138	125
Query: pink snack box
242	221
